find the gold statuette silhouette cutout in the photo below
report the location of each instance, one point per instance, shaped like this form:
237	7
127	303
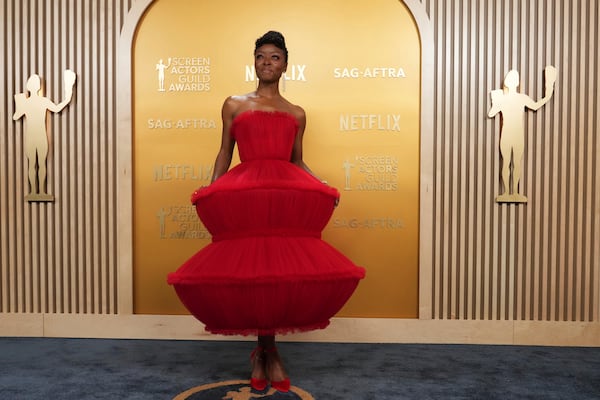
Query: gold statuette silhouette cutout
35	109
512	105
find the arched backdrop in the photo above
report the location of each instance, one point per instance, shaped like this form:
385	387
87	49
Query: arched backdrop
358	79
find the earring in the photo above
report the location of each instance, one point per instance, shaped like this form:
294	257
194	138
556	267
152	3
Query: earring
283	82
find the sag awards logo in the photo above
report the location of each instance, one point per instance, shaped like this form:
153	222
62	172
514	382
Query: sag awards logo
371	173
183	74
239	390
180	222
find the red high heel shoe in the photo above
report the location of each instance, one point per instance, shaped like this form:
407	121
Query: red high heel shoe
284	384
257	357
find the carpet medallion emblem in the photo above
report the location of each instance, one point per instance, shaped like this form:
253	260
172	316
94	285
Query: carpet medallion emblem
239	390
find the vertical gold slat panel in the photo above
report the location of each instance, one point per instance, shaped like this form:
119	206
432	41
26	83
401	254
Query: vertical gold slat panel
16	185
478	17
437	284
109	155
497	65
70	201
4	161
585	156
580	168
31	262
595	189
100	173
563	205
507	223
84	183
552	182
490	36
521	229
538	261
571	160
577	189
92	59
525	24
100	164
547	222
545	175
47	281
26	275
454	161
454	143
580	233
579	172
471	60
436	231
436	248
463	195
16	266
92	26
6	36
79	134
21	271
38	216
586	182
72	132
64	208
445	213
31	225
60	257
56	276
527	30
113	30
572	165
593	201
536	158
75	168
86	189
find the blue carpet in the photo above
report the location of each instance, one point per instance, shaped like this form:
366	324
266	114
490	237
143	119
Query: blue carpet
44	368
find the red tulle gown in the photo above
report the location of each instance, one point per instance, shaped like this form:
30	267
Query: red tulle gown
266	271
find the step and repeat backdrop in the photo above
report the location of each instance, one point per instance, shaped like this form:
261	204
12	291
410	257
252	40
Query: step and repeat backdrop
354	66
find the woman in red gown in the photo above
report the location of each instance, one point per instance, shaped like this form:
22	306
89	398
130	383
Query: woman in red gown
267	271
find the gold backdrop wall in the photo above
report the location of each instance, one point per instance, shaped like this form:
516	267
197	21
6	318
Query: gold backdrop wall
358	79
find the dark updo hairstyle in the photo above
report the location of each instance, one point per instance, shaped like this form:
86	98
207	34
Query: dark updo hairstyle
275	38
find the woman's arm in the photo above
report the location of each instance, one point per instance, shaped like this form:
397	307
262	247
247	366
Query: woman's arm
296	157
225	154
297	149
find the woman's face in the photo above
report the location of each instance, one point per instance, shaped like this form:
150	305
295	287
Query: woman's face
269	62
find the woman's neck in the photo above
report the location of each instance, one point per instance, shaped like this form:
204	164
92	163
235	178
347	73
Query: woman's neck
268	90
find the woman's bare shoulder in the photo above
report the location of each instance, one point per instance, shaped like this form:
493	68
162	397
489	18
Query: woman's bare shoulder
298	112
237	104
